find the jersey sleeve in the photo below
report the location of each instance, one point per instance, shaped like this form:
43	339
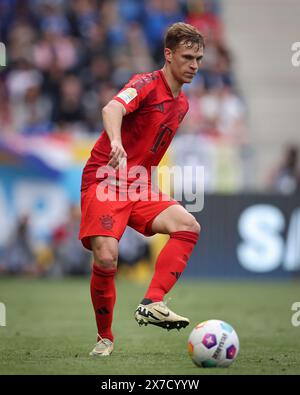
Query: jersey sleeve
185	109
134	92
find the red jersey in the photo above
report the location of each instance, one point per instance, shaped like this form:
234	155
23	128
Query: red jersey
152	118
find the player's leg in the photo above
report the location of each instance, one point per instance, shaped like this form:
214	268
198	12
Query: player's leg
174	219
184	231
102	225
103	291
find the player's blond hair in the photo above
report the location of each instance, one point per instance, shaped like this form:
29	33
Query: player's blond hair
183	33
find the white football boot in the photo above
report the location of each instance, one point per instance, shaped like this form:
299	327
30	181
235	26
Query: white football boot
159	314
103	348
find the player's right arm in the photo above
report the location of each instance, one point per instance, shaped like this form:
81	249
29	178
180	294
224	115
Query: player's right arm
125	102
112	115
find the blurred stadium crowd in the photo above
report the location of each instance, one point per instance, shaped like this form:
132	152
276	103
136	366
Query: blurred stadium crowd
67	58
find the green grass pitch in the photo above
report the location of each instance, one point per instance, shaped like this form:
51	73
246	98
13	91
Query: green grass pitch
50	328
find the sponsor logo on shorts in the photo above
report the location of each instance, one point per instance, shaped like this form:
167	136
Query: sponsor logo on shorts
107	221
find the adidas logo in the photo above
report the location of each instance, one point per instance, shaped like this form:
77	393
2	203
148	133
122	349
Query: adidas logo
176	274
102	311
160	107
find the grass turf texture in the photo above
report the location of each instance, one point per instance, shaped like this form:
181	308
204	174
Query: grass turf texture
50	328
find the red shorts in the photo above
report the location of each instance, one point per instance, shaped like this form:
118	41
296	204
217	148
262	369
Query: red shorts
110	218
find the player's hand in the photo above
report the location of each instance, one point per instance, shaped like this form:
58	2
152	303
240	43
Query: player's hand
117	156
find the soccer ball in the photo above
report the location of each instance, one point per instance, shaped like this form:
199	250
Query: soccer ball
213	343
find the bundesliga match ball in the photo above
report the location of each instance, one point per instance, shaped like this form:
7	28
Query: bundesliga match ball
213	343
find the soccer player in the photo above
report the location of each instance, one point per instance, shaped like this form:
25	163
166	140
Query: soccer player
140	122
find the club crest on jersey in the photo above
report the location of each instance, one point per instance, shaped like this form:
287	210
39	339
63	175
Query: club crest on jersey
107	221
127	95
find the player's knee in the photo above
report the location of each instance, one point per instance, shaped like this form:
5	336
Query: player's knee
190	224
197	227
107	260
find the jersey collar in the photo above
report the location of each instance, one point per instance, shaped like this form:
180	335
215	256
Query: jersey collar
168	86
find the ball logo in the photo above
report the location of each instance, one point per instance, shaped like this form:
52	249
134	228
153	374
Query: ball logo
220	347
230	352
209	340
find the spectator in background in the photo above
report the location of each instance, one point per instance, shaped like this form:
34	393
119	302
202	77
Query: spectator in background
5	115
116	28
83	17
69	257
21	41
69	112
223	114
51	15
55	47
96	44
19	256
32	112
133	247
13	13
102	44
29	109
141	60
203	15
20	78
286	179
159	15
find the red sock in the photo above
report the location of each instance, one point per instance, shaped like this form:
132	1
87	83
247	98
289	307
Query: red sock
170	263
103	293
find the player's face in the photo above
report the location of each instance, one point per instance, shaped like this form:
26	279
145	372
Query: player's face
184	62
